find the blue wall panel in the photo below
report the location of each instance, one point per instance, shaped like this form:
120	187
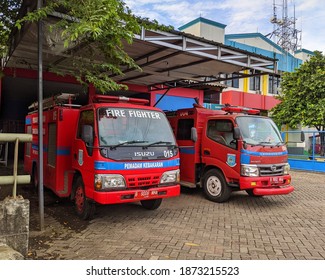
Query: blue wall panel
172	103
307	165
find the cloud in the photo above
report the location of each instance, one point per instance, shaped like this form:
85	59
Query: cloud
303	5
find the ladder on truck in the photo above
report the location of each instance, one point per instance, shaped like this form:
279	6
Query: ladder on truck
62	99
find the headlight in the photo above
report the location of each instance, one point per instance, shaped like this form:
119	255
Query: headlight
249	170
286	169
170	177
109	181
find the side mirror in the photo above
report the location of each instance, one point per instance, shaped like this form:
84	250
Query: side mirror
87	134
193	134
236	135
302	136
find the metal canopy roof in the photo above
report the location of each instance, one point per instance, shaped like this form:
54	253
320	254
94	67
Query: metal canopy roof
171	59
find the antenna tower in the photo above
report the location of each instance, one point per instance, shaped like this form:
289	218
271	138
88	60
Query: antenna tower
284	32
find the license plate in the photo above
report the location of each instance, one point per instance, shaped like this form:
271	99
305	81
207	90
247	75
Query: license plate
145	194
276	180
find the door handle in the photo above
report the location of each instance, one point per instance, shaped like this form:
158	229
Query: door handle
206	152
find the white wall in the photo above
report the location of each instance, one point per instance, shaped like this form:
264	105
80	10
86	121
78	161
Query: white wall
207	31
213	33
303	56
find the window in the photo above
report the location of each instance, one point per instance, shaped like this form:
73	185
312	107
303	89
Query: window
184	129
257	130
232	82
138	126
274	83
221	131
211	96
51	153
86	117
255	81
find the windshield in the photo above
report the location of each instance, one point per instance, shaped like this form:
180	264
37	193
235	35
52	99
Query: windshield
121	127
259	130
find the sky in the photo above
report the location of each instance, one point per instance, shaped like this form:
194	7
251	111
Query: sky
240	16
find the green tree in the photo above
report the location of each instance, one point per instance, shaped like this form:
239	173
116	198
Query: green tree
303	97
8	14
100	28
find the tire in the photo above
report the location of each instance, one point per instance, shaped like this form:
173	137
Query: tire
83	207
250	193
151	204
215	187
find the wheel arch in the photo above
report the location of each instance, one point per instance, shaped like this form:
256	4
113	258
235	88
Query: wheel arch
215	186
34	171
34	166
208	168
76	175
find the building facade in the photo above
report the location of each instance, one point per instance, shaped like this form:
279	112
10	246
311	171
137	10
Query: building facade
257	91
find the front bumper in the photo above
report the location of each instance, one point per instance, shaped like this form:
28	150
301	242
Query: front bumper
277	185
131	195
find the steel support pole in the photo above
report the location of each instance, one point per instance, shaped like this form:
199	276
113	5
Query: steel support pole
40	120
14	192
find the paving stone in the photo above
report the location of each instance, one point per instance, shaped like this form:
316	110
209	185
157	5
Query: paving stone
289	227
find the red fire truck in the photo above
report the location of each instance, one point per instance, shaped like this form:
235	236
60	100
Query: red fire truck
230	149
113	150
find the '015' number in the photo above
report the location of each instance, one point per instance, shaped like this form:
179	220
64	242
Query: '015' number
168	153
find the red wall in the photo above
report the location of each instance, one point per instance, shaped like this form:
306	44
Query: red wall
257	101
236	98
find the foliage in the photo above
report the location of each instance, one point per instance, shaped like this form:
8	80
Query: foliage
93	33
8	13
303	96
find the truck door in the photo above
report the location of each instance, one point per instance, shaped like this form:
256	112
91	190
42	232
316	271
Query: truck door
83	152
187	151
219	148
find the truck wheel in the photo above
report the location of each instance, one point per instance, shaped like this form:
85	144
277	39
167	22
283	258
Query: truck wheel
83	207
215	187
151	204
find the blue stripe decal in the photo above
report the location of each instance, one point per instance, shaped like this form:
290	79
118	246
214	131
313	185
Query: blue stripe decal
187	150
35	147
245	159
104	165
28	121
263	153
63	151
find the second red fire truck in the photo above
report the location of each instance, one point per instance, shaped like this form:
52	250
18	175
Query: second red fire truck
113	150
230	149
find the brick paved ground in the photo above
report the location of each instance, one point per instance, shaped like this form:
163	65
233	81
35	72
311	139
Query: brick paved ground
189	227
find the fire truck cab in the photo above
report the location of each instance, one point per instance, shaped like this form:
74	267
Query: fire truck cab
230	149
113	150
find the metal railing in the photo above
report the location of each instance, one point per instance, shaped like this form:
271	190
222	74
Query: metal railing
307	154
15	178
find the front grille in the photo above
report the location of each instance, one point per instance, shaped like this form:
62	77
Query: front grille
142	181
271	170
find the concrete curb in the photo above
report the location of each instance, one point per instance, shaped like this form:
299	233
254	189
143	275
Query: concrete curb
7	253
14	223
